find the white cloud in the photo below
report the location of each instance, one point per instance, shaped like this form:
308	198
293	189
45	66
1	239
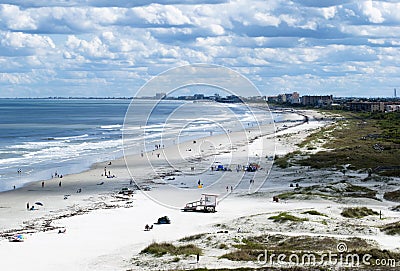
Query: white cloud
302	44
19	43
159	14
373	13
94	48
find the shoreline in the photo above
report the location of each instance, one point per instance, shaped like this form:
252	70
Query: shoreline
98	201
71	183
93	165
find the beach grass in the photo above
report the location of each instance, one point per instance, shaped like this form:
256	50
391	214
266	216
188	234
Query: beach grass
253	246
330	190
392	228
192	237
362	140
392	196
358	212
313	212
285	216
160	249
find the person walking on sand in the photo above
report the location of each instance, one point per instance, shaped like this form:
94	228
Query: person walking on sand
27	206
42	184
59	184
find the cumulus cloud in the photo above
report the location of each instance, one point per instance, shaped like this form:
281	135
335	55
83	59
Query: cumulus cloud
299	45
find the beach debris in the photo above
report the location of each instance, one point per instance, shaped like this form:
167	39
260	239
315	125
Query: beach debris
126	191
146	188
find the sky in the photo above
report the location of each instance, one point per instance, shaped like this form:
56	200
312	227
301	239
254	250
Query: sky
111	48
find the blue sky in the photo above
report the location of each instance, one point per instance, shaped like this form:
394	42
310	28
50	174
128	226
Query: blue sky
111	48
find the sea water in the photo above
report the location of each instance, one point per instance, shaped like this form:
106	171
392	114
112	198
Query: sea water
39	137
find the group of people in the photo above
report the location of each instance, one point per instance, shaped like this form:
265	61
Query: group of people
147	227
56	175
108	174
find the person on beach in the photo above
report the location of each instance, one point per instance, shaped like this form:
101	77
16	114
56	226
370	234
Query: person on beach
42	184
59	184
27	206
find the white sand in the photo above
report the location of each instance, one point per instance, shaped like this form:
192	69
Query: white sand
107	238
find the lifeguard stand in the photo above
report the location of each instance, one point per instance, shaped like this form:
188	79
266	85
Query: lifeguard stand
206	204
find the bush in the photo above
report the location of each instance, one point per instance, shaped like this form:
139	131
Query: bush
358	212
313	212
160	249
284	216
392	196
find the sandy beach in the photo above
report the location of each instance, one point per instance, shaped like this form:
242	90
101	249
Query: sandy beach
104	230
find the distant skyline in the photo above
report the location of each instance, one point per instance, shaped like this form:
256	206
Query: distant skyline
105	48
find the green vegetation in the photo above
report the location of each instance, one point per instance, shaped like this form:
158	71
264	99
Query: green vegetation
336	189
284	161
392	196
313	212
284	216
160	249
321	134
363	140
222	246
192	237
392	228
358	212
280	244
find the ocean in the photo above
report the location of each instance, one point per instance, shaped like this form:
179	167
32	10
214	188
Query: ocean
42	136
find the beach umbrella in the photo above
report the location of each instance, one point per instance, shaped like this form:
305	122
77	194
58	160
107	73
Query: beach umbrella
39	203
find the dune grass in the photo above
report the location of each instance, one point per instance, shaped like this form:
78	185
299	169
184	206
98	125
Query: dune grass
313	212
392	196
160	249
285	216
363	140
358	212
392	228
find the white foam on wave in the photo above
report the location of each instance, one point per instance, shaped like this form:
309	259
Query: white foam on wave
71	137
111	127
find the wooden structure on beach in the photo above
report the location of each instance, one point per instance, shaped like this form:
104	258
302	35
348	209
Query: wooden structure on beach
206	204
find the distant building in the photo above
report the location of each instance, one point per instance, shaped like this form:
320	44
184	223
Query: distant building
308	100
282	98
198	96
295	98
286	98
392	108
230	99
272	99
367	106
160	95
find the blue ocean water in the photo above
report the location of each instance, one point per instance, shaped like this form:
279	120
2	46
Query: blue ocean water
42	136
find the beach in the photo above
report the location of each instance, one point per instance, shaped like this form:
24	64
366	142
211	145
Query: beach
85	224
